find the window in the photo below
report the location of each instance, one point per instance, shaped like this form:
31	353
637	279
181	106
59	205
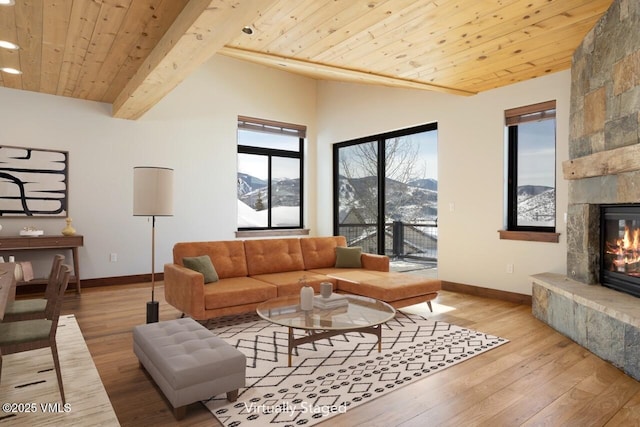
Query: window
531	158
270	174
386	192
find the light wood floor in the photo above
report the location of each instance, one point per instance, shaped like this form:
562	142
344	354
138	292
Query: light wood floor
539	378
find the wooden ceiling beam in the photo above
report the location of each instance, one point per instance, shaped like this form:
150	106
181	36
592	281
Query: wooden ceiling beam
145	24
322	71
201	29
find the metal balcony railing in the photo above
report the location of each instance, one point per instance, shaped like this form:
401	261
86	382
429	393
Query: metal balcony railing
402	240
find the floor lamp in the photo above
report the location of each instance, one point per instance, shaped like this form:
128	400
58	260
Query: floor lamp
152	196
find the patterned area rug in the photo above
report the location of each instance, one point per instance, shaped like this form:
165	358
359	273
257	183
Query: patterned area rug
29	389
330	376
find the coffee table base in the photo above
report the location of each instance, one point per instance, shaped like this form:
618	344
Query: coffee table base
315	336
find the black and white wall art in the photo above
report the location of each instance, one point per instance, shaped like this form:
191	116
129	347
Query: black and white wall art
33	182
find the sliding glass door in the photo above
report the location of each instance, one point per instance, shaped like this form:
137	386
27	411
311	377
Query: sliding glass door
385	192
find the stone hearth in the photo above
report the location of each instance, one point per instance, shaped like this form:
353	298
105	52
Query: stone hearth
605	321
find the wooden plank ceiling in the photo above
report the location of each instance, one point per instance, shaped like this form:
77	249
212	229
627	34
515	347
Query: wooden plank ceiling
130	53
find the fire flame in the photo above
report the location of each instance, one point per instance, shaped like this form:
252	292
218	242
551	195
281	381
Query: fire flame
626	249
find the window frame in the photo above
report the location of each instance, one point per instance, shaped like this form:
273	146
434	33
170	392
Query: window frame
513	118
281	128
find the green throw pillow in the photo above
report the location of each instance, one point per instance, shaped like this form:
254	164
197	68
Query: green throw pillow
202	264
348	257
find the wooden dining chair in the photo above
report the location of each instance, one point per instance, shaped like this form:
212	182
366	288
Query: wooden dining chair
35	308
26	335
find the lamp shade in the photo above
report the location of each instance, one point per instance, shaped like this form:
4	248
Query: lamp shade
152	191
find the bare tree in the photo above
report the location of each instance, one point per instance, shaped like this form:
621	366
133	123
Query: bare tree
401	160
361	161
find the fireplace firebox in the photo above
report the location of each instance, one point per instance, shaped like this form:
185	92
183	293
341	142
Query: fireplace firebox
620	247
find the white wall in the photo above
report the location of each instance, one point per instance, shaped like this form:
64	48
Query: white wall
471	170
192	130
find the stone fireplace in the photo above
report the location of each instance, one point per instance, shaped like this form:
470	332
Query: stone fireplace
604	132
604	169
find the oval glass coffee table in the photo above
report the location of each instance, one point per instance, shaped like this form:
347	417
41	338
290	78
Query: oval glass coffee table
361	314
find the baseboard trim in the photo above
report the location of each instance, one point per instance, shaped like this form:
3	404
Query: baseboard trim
93	283
120	280
487	292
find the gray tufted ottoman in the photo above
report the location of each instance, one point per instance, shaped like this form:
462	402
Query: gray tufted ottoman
188	362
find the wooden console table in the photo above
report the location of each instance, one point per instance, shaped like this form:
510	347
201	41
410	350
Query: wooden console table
46	242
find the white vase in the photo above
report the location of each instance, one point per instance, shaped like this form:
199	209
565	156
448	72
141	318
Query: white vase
18	273
306	298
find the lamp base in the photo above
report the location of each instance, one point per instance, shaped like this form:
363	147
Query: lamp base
152	311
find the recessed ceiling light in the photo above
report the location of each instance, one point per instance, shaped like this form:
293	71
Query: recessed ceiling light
247	30
8	45
7	2
10	70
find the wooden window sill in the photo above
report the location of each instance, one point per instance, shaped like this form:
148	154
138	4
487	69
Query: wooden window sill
272	233
531	236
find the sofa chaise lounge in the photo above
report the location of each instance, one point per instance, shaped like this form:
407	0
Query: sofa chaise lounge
250	272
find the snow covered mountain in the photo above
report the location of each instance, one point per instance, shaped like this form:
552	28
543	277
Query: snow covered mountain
413	202
536	205
248	183
252	191
427	184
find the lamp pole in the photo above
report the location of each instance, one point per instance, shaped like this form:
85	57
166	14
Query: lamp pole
153	307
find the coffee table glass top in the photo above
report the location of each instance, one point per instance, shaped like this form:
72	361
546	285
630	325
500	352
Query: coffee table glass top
359	313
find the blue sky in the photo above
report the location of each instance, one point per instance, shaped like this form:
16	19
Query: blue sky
536	153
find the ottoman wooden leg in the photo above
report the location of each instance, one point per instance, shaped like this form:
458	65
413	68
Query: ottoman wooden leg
232	395
430	307
180	412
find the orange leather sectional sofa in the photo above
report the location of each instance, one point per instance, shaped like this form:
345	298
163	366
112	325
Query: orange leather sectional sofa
253	271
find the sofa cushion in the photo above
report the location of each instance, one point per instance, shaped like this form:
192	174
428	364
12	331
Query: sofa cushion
348	257
385	286
273	256
237	291
228	257
370	262
331	271
202	264
320	252
288	283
